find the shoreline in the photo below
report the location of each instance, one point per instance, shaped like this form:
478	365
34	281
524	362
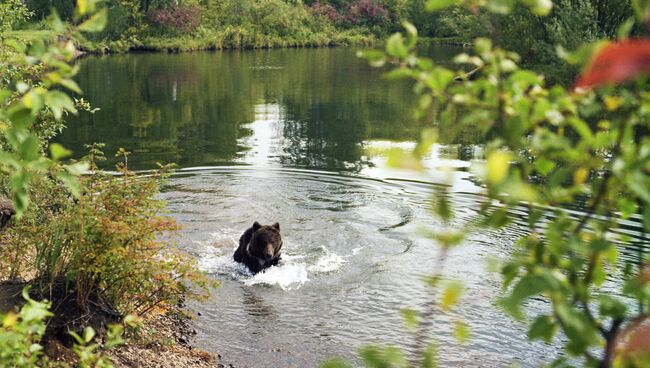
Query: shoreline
218	43
164	339
176	45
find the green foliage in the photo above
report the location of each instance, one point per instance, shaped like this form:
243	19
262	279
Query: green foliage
12	14
21	334
99	236
89	352
214	24
30	108
107	244
548	148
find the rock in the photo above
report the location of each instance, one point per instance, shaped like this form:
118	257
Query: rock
6	211
183	340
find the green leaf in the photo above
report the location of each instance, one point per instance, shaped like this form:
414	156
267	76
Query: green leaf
578	329
482	45
58	152
500	6
395	46
498	164
442	207
375	357
375	58
625	29
21	200
89	334
95	23
411	34
461	331
540	7
29	149
544	328
528	286
410	317
581	127
641	9
435	5
71	85
71	182
59	102
611	307
525	79
34	311
439	79
544	166
451	294
335	363
56	23
77	168
401	159
21	117
399	73
35	348
430	357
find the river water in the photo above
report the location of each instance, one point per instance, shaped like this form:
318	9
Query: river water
298	137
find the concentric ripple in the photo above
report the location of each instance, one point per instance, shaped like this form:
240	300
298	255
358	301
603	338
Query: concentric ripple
352	259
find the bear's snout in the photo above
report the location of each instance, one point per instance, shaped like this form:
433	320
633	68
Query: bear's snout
269	252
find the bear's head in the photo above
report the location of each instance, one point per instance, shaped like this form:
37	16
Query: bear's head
266	242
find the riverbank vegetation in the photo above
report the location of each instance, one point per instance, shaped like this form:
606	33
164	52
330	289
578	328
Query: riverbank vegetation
186	25
96	248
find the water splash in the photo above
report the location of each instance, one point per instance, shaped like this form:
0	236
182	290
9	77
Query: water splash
287	277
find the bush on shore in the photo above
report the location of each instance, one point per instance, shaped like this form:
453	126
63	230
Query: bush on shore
94	244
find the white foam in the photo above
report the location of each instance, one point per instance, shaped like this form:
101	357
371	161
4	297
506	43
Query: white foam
329	263
293	271
290	258
222	264
287	277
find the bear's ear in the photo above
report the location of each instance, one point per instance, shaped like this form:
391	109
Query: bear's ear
256	226
277	226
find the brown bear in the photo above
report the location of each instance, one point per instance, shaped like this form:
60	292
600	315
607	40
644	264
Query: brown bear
259	247
6	211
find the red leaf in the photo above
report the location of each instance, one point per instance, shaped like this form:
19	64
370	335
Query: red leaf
616	63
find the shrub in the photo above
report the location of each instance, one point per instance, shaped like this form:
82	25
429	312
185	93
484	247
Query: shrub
177	18
111	245
366	13
12	13
327	11
21	334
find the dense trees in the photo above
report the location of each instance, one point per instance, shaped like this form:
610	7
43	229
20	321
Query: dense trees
196	24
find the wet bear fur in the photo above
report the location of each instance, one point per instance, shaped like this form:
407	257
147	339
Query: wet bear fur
259	247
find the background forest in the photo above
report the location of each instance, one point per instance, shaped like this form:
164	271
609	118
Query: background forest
181	25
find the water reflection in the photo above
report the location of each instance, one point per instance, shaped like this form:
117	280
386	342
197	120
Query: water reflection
292	108
261	140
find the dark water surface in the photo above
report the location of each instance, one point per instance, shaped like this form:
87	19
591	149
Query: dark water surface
296	136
